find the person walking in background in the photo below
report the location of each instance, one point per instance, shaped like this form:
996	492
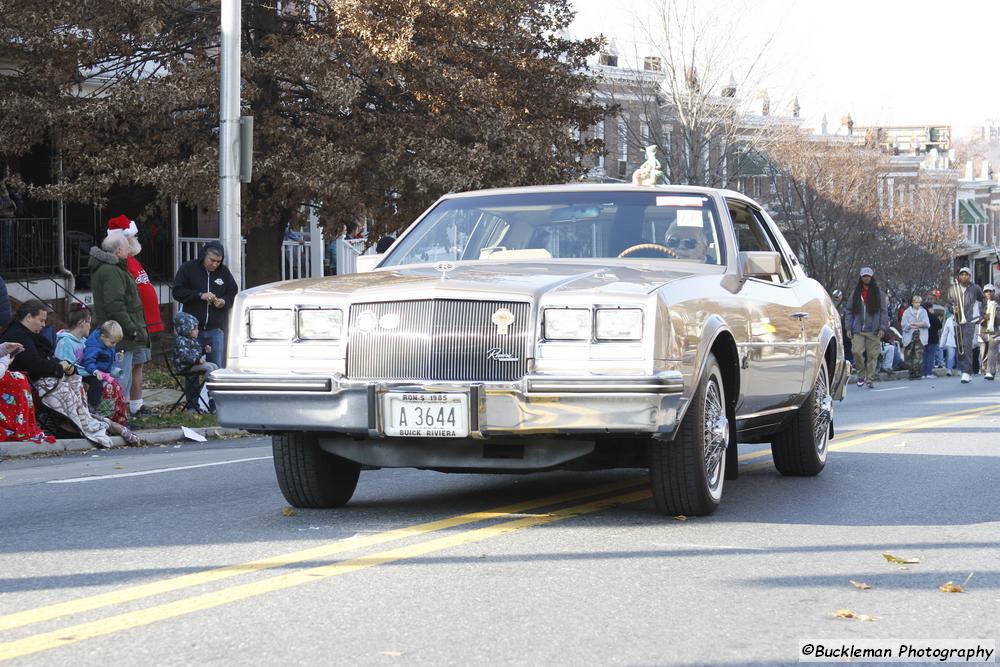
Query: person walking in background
867	320
933	340
990	333
948	343
968	300
916	327
150	309
117	298
841	305
205	289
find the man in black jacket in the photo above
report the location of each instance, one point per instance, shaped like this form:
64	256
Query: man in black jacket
205	288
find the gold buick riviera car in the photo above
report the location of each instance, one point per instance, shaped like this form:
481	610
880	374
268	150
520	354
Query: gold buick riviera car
559	327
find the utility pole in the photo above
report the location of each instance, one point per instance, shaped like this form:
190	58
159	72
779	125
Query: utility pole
230	223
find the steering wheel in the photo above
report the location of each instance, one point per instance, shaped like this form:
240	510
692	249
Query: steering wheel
648	246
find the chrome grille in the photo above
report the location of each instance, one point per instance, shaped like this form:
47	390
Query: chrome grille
438	339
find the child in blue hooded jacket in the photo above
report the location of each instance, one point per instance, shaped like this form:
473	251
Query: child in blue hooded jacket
189	356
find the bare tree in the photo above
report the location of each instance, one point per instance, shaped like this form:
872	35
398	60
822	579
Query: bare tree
691	96
921	235
826	201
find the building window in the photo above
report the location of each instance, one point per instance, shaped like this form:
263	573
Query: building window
622	140
608	60
622	169
645	134
652	64
599	130
600	163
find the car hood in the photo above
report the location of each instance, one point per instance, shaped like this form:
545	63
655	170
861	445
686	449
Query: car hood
512	279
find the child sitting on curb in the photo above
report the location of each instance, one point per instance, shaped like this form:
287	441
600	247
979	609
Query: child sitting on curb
189	356
99	359
72	341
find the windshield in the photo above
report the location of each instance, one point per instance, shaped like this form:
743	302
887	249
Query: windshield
566	225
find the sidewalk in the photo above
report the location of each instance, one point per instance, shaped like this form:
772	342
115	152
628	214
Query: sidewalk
154	399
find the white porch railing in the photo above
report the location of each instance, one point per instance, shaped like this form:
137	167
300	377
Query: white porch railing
189	247
296	260
348	251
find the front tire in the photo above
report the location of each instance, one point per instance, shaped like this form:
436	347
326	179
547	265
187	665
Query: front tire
310	477
800	448
687	474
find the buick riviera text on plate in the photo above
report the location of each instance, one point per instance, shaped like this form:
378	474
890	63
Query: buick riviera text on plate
574	327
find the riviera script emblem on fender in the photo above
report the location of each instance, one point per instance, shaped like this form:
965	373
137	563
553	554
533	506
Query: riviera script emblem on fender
496	354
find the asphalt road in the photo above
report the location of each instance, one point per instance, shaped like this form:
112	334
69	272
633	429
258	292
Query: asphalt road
183	555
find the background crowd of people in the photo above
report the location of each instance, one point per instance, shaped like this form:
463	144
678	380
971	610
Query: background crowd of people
956	331
88	376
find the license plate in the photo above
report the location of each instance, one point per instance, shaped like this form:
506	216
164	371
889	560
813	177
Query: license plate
426	415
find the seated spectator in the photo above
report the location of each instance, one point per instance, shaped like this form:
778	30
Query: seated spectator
100	361
57	382
71	341
189	356
17	407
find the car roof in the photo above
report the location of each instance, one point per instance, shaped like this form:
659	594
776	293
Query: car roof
599	187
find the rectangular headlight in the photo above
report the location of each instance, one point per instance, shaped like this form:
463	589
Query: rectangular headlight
567	324
271	324
321	323
619	324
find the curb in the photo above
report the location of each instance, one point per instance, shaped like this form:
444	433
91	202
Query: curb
892	376
149	437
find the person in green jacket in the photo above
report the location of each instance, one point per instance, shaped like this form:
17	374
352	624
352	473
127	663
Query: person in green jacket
117	298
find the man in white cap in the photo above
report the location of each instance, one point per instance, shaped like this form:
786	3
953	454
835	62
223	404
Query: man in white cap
867	320
968	300
150	307
990	332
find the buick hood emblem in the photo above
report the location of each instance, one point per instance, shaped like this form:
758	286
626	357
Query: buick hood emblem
444	268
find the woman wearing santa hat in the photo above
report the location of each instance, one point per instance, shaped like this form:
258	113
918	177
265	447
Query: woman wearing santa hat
150	307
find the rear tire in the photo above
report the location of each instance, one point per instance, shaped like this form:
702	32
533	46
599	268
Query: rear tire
800	448
309	476
687	474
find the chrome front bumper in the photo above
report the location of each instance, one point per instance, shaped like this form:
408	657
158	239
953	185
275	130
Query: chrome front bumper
537	404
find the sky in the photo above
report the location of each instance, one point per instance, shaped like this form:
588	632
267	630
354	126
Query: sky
886	62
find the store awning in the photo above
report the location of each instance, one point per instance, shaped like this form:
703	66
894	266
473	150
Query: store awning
970	212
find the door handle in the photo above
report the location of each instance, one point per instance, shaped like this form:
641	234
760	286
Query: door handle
801	315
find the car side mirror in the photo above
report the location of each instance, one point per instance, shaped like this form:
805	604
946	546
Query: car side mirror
365	263
760	264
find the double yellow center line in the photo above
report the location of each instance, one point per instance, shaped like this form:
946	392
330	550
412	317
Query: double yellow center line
623	492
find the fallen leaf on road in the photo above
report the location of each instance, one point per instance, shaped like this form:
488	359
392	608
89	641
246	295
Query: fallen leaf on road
391	654
119	467
680	517
860	585
288	511
900	561
951	587
847	613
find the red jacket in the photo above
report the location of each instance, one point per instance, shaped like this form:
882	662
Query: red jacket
147	293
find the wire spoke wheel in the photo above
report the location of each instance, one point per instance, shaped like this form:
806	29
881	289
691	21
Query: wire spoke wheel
716	428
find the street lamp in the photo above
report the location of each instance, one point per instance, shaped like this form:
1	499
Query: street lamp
230	223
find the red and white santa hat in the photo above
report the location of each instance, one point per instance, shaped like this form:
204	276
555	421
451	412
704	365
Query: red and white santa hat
124	225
